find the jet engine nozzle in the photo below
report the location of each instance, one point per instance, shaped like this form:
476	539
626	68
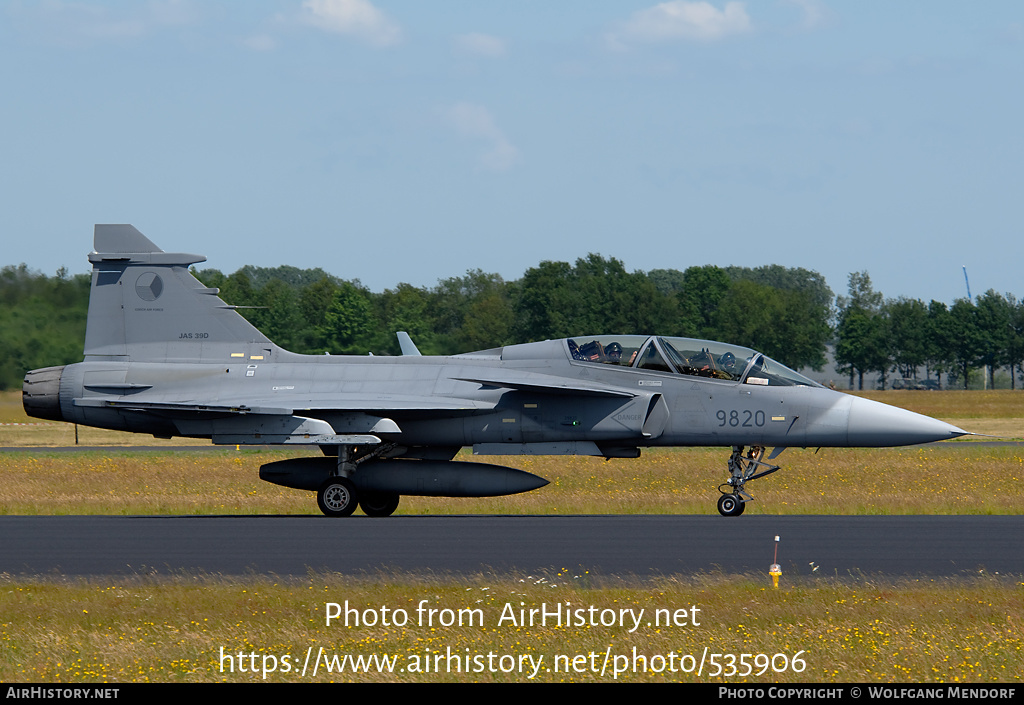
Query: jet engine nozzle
40	393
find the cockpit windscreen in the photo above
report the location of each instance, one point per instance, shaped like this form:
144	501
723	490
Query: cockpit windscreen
686	356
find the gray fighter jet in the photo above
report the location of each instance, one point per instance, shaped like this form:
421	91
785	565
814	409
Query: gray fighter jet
165	356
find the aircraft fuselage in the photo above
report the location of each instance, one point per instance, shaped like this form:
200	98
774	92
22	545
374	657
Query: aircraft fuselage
165	355
696	411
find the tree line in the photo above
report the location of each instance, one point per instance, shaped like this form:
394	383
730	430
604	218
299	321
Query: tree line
782	312
42	321
905	337
789	314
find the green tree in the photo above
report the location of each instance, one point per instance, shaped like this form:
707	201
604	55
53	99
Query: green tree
314	302
237	290
294	277
545	302
995	317
939	339
699	296
349	323
907	335
42	320
1015	349
778	322
811	283
488	322
406	308
472	312
668	281
278	314
597	295
860	335
965	339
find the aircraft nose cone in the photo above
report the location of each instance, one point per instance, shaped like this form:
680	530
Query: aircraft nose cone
875	424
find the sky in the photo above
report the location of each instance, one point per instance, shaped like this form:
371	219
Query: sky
407	141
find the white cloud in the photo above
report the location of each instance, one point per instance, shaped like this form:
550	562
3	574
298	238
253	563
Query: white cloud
481	44
679	19
475	122
357	18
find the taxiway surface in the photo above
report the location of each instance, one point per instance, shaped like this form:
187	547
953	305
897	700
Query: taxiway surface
621	546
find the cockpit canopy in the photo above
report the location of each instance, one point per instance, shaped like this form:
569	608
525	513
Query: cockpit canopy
685	356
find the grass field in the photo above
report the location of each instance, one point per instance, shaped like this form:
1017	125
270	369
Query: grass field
172	628
824	631
944	479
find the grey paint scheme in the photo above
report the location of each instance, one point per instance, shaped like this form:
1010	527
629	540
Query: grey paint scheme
165	355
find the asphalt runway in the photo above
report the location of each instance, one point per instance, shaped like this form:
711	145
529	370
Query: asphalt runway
620	546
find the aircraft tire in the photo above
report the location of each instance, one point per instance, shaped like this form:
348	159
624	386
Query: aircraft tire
337	497
379	504
730	505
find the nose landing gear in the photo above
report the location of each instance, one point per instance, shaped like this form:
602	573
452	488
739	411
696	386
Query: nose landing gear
742	469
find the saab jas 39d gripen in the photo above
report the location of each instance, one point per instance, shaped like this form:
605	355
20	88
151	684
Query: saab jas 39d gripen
165	356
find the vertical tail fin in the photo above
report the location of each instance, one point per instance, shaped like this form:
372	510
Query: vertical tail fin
144	305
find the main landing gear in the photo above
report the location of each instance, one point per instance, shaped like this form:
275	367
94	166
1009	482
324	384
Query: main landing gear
338	496
742	469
